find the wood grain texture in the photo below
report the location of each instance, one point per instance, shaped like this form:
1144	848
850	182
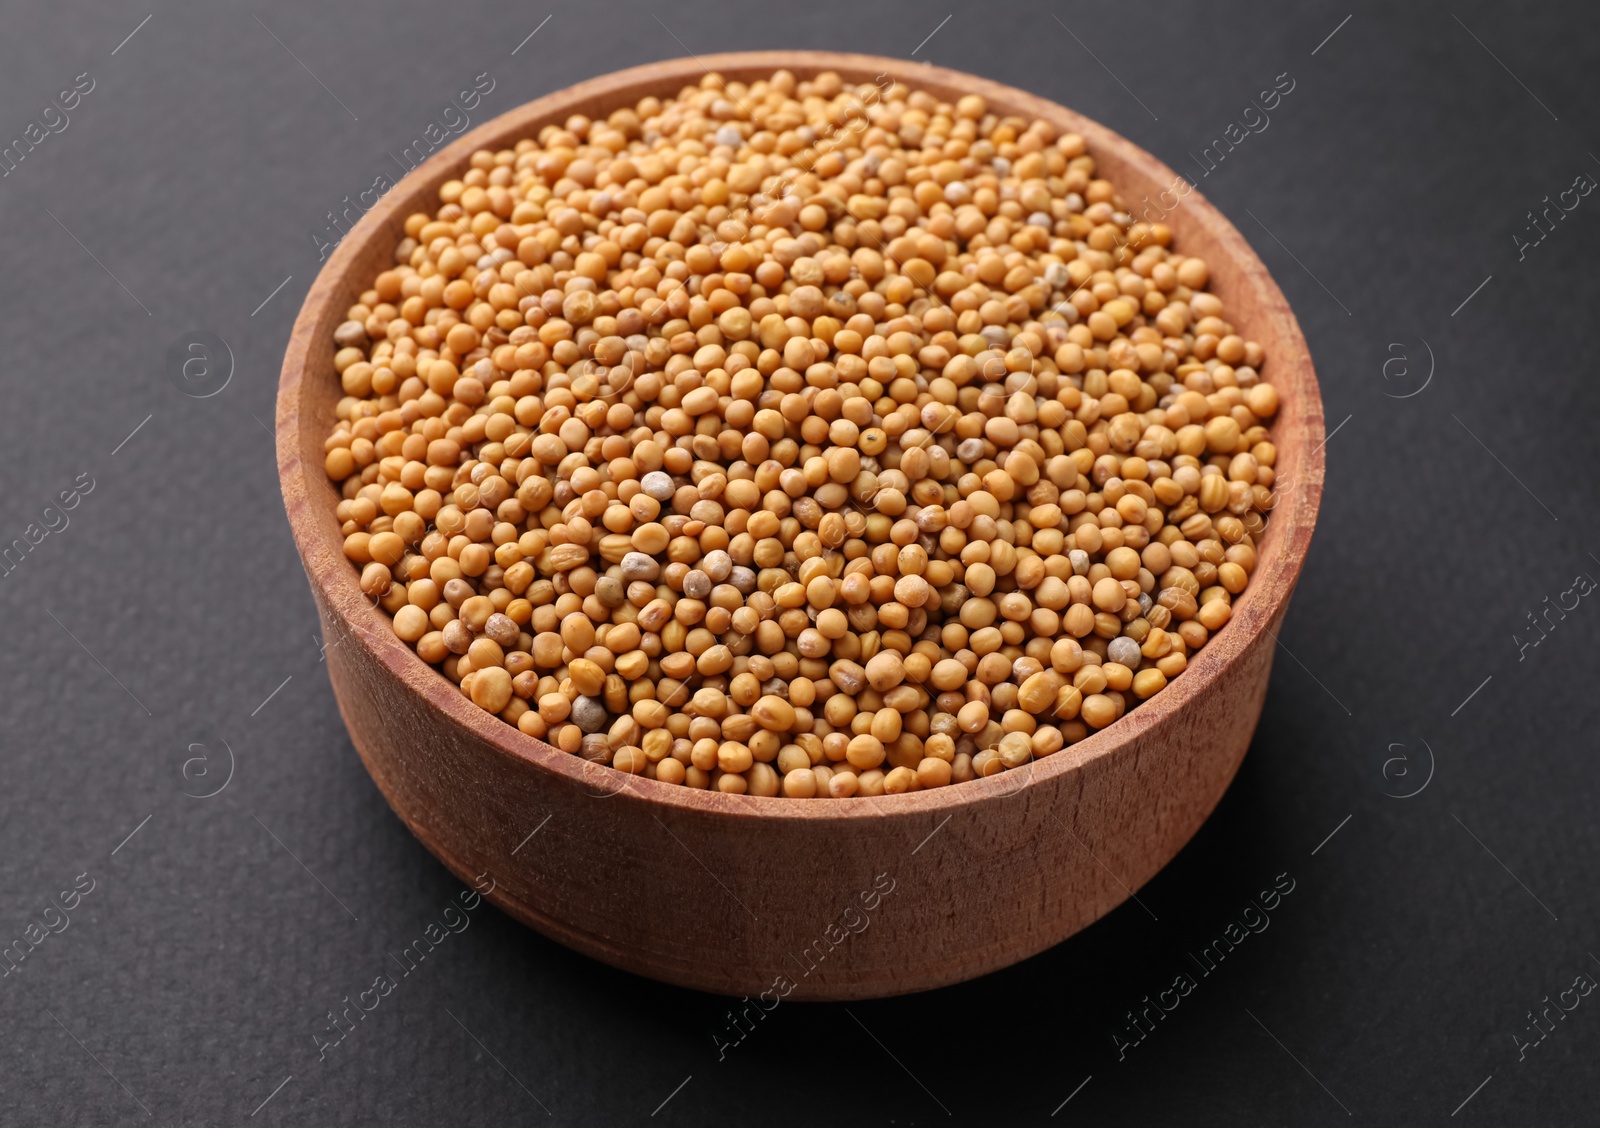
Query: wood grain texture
731	893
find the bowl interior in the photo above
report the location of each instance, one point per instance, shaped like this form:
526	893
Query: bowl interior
309	391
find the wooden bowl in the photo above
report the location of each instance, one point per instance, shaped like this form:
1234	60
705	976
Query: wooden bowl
822	899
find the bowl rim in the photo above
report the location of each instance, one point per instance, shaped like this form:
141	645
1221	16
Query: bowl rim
336	581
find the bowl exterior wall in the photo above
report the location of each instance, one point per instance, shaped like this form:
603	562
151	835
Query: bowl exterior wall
811	908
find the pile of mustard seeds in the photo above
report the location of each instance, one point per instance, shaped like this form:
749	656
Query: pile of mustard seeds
798	438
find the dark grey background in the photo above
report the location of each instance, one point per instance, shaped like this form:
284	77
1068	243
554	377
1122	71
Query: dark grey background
1391	981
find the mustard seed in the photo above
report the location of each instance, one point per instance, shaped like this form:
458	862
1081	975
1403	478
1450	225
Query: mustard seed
722	445
491	689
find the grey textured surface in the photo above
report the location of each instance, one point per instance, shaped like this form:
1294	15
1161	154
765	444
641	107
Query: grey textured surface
192	979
